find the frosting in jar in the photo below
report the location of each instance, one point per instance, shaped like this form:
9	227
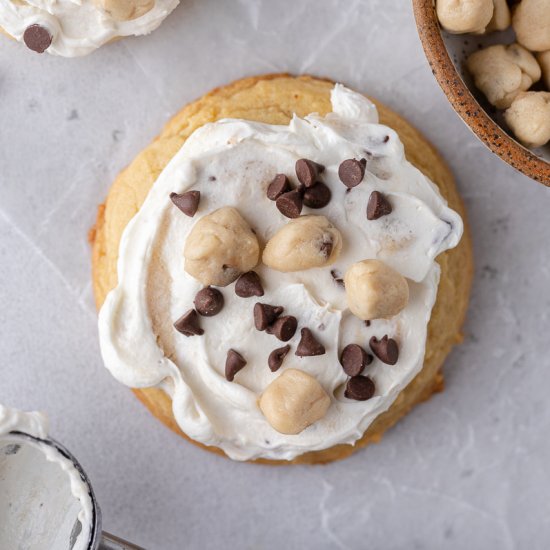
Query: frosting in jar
14	423
32	423
231	163
77	27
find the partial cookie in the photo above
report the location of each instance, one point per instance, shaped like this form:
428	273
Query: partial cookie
71	29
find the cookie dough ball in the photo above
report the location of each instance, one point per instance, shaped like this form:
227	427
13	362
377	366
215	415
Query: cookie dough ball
374	290
461	16
303	243
544	61
529	118
125	10
502	72
531	21
294	401
502	18
220	247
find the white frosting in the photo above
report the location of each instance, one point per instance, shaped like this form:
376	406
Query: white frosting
140	346
35	424
32	423
78	27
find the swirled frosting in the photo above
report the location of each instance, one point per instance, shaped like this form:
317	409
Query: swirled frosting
231	162
32	423
77	27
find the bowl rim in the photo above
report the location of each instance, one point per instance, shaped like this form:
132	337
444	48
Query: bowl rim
466	105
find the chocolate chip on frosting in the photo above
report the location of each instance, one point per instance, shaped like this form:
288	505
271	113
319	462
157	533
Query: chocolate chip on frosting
265	315
187	202
249	284
233	364
351	172
189	324
354	359
317	196
378	206
326	248
308	171
276	358
338	279
283	328
309	345
385	349
290	204
209	301
278	187
37	38
359	388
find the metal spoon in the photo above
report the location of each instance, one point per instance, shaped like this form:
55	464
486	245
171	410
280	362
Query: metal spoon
38	508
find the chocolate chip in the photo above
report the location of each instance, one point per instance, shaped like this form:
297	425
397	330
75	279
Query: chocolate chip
187	202
337	277
377	206
354	359
265	315
233	364
276	358
317	196
249	284
367	323
309	346
283	328
351	172
209	301
385	349
359	388
277	187
290	204
307	171
37	38
189	324
326	248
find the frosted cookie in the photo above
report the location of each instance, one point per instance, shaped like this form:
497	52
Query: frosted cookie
69	28
275	277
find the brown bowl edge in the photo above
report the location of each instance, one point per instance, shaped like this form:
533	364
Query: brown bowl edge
465	104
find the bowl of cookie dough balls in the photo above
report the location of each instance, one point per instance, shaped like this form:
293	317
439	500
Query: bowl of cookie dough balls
492	60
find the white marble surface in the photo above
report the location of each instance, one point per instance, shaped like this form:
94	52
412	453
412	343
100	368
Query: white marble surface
468	469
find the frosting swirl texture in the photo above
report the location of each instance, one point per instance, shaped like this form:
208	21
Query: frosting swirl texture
231	163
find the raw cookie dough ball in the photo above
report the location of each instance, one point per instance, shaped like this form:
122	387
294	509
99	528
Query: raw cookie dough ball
529	118
461	16
531	21
303	243
374	290
220	247
125	10
501	16
502	72
294	401
544	61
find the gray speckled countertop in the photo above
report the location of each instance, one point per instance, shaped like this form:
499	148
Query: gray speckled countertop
468	469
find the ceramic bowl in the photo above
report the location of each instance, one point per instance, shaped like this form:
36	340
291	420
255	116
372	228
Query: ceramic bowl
446	55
